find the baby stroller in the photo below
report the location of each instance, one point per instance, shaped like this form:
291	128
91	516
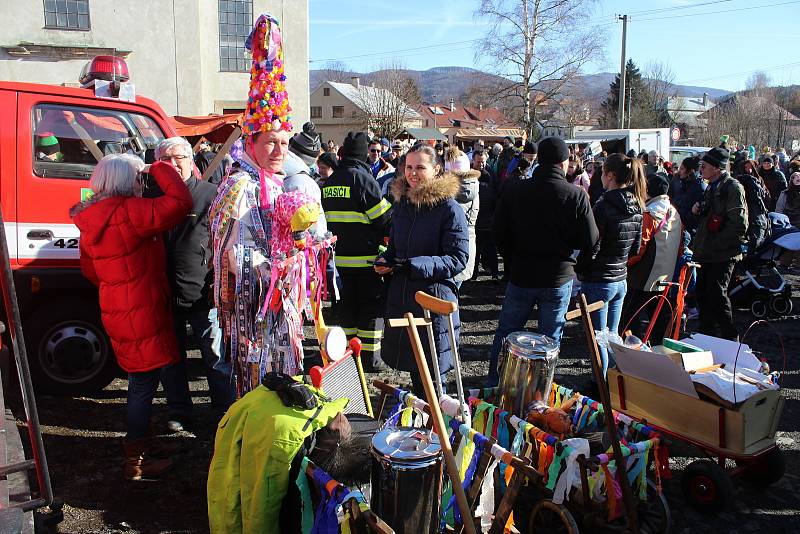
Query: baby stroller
757	283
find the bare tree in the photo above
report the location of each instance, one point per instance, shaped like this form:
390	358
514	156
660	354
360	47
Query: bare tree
659	82
386	105
335	71
538	47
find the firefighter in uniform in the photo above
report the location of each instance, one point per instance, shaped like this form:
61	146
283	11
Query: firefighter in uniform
358	215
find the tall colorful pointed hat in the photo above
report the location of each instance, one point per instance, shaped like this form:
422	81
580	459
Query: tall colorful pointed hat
267	100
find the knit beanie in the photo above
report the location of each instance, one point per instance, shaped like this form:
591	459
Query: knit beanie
529	148
47	143
657	184
552	151
455	160
306	144
267	100
355	146
718	157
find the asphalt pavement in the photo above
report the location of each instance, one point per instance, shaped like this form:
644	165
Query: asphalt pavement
83	435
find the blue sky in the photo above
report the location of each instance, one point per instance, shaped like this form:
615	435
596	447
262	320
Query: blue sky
719	44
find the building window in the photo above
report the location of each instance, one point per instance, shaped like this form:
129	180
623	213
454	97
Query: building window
337	112
316	112
66	14
235	23
326	91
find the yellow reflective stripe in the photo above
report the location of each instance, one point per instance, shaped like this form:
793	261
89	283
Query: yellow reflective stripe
350	331
378	209
372	334
346	217
354	261
372	347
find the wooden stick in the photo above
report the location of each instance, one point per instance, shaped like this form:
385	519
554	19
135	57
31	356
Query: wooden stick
431	303
226	147
438	423
574	314
605	399
707	369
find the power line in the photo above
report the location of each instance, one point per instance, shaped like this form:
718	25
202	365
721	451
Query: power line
718	11
661	10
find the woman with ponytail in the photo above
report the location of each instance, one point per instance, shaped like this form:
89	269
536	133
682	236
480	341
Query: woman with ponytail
618	214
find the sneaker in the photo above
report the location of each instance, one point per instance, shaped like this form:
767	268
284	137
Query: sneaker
175	424
692	313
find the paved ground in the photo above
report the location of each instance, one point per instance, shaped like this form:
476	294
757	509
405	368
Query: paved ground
83	436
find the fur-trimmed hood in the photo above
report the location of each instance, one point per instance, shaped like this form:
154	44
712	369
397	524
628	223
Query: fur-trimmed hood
428	193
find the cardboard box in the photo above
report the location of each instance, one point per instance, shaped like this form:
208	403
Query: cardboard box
746	430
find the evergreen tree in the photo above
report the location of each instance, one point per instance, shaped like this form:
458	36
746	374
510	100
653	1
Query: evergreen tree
633	83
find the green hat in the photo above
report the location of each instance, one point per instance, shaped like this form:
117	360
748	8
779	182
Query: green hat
47	143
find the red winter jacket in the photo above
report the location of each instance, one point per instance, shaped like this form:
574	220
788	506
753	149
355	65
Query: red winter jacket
122	252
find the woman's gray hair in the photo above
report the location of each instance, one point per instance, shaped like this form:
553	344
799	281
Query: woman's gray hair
115	175
171	142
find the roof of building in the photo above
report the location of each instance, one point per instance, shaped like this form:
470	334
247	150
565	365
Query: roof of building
731	101
488	133
466	116
357	95
423	134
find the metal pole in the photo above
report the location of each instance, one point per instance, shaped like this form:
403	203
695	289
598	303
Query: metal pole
630	99
23	369
621	110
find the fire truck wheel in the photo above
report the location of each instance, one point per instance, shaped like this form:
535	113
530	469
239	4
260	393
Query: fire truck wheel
68	350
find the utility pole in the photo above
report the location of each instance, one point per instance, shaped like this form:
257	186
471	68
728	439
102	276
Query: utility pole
621	110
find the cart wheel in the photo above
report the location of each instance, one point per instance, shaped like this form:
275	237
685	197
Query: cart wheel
781	305
759	308
707	486
548	516
654	516
765	469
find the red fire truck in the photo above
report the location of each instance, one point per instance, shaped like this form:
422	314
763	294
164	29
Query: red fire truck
51	137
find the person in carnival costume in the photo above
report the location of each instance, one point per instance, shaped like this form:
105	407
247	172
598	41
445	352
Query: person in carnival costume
259	291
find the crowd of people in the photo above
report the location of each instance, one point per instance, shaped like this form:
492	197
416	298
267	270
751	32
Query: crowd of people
168	250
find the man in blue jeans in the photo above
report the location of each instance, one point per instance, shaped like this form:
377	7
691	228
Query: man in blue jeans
538	224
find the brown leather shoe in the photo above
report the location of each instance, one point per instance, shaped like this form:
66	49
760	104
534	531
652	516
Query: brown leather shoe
141	464
163	448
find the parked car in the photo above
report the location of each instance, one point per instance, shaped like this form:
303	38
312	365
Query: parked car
679	153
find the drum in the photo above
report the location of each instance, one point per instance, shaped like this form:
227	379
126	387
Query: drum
406	479
527	363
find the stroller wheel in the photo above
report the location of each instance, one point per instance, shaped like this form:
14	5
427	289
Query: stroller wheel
781	305
759	308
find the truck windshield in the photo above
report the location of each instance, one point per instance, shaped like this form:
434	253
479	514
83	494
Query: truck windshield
68	141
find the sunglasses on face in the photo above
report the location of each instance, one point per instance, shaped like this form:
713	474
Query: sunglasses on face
375	150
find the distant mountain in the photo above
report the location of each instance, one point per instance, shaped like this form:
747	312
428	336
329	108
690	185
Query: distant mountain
443	83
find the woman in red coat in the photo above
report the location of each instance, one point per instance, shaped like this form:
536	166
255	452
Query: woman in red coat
123	254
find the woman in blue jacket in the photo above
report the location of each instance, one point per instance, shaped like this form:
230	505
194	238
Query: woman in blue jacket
428	246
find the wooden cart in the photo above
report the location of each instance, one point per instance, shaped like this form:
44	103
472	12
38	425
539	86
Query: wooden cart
744	433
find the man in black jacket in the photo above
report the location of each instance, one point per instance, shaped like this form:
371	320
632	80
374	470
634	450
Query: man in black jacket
357	214
188	271
539	223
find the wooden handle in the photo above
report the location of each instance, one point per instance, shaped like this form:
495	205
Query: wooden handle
438	422
429	302
403	323
574	314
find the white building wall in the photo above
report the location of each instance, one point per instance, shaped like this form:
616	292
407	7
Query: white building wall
174	50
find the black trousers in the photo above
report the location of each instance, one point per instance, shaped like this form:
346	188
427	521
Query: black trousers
713	279
360	312
486	251
635	299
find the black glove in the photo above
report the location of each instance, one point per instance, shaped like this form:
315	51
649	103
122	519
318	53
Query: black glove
291	392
